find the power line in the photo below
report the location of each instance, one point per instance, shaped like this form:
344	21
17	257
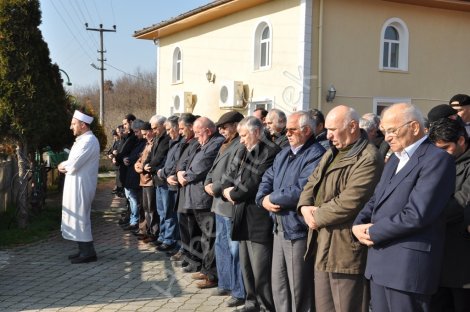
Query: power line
70	30
83	20
126	73
98	12
112	11
86	8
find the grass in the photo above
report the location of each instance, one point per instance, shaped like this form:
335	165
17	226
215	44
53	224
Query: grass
40	226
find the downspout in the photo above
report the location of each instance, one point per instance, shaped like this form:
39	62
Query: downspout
320	55
157	78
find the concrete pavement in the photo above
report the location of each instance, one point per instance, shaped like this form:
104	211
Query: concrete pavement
128	276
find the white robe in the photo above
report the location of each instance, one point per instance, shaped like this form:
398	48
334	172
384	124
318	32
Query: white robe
80	187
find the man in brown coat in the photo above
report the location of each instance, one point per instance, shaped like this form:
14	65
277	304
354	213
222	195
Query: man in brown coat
335	193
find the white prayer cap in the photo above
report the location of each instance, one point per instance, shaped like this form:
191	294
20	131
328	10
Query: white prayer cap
82	117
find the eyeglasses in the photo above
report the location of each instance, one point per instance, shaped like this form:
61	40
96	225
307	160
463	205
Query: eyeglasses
394	131
290	130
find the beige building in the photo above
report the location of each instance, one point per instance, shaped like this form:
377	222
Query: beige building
291	54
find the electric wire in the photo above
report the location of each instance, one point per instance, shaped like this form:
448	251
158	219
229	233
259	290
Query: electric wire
83	20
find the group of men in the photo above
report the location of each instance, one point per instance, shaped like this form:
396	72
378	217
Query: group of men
307	213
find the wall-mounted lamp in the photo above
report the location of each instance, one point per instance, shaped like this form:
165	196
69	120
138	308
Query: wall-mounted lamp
331	94
210	76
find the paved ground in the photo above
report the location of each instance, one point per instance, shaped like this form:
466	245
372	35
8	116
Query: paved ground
129	275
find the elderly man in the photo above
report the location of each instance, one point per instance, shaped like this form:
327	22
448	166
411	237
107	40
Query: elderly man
454	287
189	231
320	130
403	222
166	193
461	103
153	163
276	125
226	250
192	176
279	193
333	196
81	176
252	225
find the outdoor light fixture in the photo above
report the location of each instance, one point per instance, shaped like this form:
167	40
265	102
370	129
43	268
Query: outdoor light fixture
210	76
330	96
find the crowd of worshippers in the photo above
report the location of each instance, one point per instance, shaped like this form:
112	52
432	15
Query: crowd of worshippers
305	212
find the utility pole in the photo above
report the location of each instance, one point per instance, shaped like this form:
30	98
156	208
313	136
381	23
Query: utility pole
101	68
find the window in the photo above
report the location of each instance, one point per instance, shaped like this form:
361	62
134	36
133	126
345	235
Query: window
177	66
394	45
381	103
263	46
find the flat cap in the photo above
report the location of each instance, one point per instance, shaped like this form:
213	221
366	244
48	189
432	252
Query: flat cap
440	111
229	117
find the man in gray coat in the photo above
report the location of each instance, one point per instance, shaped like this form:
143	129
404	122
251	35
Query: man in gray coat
191	176
226	250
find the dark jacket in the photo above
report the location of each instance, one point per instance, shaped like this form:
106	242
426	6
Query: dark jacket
172	157
132	177
196	170
322	139
124	150
186	151
456	268
217	176
281	139
156	158
251	222
407	213
284	181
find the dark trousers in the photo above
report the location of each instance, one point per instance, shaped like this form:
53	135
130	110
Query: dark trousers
341	292
206	223
149	211
190	238
255	262
451	300
386	299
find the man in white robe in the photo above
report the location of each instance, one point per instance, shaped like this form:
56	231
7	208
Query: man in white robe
81	175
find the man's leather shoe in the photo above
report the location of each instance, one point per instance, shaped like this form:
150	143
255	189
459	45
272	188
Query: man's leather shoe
165	247
149	239
248	309
130	227
235	302
206	284
123	222
142	237
157	242
84	259
75	255
199	276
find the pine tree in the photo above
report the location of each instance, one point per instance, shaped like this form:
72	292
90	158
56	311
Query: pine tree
34	109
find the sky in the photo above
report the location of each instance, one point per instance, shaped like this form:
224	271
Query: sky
73	48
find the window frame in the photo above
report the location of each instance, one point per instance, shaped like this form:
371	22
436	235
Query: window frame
403	45
177	66
259	42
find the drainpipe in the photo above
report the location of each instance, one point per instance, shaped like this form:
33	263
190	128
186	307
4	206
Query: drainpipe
320	55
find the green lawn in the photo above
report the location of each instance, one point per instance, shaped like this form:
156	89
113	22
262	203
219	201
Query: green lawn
40	226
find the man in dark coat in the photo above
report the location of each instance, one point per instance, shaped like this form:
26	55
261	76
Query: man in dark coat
252	225
226	250
154	162
279	193
454	288
403	223
192	176
276	125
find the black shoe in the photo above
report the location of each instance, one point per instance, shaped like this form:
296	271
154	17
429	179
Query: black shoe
157	242
75	255
165	247
235	302
84	259
123	221
131	227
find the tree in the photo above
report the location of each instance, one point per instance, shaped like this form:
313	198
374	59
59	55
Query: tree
33	102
